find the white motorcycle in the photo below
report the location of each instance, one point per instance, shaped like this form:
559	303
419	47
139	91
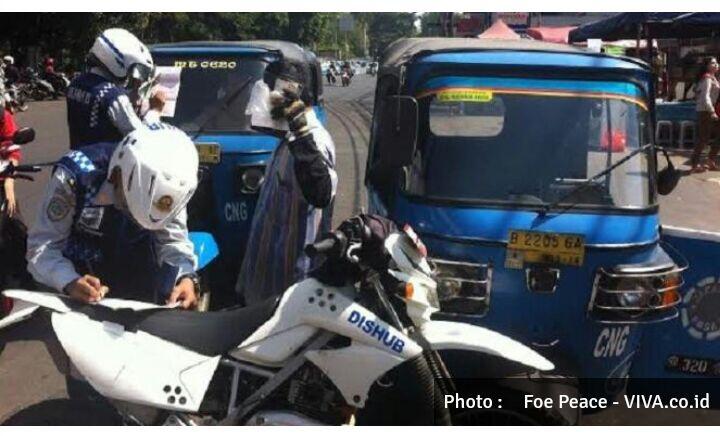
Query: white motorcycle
327	351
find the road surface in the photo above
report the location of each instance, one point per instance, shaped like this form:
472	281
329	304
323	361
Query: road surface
27	374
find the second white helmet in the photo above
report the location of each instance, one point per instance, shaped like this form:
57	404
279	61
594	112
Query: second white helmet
9	59
159	168
123	55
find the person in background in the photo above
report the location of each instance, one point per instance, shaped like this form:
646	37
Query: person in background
296	200
12	74
8	127
98	103
707	90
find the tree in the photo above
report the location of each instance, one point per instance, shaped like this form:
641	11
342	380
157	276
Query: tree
430	24
386	27
68	36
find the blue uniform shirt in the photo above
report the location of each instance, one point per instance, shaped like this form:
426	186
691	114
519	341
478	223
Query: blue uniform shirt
98	111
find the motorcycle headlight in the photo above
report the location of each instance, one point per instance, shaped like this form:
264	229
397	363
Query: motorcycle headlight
462	288
251	179
429	295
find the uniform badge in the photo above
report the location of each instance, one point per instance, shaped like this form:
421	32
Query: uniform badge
91	218
58	208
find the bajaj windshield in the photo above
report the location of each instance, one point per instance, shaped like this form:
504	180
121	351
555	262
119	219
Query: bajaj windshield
212	92
531	142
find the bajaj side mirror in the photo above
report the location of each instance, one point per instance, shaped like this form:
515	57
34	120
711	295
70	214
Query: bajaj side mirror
397	131
23	136
668	177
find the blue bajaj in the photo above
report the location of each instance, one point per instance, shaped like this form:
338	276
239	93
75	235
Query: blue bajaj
209	85
529	171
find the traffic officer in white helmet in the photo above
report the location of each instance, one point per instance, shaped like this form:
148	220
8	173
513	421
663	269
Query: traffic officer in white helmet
99	107
114	219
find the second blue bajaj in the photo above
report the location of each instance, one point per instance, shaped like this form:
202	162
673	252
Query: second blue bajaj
209	85
528	169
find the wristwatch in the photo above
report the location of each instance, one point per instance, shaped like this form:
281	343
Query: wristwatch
194	278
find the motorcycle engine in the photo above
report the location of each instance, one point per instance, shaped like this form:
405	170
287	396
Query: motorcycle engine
311	393
308	398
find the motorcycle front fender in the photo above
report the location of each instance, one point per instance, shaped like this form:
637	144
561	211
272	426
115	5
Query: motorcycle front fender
448	335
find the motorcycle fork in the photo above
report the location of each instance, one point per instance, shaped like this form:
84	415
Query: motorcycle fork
435	362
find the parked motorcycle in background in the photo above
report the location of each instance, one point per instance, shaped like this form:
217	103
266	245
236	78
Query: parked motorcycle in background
59	82
15	100
35	87
13	232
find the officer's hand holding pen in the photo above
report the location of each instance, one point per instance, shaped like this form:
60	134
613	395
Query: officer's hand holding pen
184	294
88	289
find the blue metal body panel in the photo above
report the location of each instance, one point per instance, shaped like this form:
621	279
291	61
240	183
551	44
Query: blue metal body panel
517	61
208	50
528	58
595	87
696	332
205	248
493	224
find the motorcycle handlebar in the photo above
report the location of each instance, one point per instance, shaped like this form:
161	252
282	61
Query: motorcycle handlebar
336	243
321	247
15	171
27	169
333	243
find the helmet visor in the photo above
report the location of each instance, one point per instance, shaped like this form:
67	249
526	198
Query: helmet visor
141	72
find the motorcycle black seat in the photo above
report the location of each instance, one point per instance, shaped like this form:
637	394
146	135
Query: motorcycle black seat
207	333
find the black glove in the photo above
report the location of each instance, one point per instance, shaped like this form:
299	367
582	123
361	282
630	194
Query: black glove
377	229
288	105
371	230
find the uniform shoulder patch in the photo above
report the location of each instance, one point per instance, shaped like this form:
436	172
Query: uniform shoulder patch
58	207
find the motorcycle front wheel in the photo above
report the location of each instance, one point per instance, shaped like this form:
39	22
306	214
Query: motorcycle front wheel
407	395
65	412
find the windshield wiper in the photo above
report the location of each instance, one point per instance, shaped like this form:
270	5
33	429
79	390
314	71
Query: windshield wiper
589	182
221	106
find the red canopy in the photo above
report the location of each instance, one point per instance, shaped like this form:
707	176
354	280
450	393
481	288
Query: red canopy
499	30
550	34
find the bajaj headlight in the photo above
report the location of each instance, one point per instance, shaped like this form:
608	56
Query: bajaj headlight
463	288
636	295
251	179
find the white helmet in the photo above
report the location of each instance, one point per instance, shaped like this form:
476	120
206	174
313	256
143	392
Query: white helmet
123	55
159	166
9	59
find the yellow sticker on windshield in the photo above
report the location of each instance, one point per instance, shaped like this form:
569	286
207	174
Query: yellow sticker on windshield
474	95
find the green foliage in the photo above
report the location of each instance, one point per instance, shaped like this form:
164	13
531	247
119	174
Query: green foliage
386	27
68	36
430	24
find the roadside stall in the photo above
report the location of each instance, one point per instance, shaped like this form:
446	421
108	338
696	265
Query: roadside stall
551	34
680	42
499	30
